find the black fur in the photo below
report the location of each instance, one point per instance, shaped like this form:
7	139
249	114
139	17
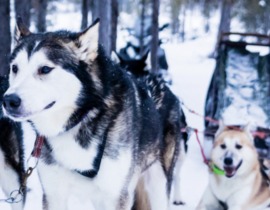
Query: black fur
171	114
137	68
11	143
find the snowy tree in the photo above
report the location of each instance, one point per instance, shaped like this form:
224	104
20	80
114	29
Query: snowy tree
155	37
5	37
254	14
105	25
225	21
85	8
175	12
41	12
95	10
114	14
22	9
107	11
208	6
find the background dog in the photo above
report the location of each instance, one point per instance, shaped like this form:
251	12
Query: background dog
236	180
171	113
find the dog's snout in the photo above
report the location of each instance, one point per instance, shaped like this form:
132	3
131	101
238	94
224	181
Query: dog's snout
11	102
228	161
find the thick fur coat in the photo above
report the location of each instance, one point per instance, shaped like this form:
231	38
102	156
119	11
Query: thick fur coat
102	129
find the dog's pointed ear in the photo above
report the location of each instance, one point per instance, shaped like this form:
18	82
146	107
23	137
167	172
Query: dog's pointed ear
144	57
121	58
222	127
247	129
87	42
115	57
21	30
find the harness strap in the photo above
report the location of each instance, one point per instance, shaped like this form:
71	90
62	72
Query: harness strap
38	146
205	160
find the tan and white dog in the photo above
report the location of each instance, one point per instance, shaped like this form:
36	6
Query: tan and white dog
236	181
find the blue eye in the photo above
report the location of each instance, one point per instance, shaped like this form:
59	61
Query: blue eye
44	70
14	69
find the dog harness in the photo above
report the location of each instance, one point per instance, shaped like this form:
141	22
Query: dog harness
88	173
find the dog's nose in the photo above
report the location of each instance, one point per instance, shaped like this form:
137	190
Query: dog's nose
228	161
11	102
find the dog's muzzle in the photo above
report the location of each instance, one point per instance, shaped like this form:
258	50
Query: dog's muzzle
230	170
12	104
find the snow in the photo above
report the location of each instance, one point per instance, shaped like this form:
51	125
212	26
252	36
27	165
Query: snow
191	71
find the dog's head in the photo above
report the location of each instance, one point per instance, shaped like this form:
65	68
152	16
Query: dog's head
50	74
234	151
136	66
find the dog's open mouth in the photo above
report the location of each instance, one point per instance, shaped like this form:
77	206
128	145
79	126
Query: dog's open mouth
230	171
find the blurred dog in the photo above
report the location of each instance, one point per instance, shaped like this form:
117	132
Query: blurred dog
236	179
11	154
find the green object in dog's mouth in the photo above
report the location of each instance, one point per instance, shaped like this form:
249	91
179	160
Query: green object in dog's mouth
228	171
216	170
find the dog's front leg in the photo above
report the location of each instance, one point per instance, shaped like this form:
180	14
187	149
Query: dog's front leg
177	198
209	201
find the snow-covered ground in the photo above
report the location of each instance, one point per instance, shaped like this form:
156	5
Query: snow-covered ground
191	70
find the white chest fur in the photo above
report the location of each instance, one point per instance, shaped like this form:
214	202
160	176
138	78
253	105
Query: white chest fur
231	190
103	191
68	153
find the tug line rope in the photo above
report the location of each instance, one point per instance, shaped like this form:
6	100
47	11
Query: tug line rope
260	134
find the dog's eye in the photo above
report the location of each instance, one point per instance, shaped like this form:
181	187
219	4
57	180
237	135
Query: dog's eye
44	70
14	69
223	146
238	146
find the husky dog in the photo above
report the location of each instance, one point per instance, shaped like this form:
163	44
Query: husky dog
236	181
102	130
11	155
166	103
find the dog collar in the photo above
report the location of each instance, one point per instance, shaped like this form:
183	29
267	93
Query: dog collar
38	146
216	170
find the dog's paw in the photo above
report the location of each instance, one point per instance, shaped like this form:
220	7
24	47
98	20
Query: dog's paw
178	203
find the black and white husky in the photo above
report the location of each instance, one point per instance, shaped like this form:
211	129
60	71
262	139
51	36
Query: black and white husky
103	133
11	156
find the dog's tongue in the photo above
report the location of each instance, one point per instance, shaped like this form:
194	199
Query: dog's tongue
229	171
